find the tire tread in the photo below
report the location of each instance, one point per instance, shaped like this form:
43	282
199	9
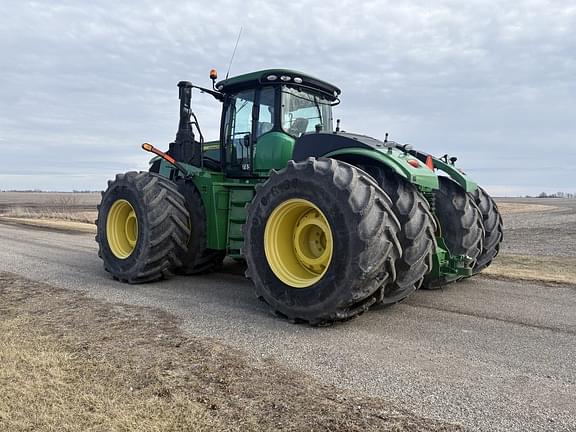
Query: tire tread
164	219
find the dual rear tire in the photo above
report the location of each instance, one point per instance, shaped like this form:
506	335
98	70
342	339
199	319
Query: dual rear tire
470	224
149	228
493	228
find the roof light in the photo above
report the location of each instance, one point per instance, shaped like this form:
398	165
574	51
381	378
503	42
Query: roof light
298	80
285	78
414	163
271	77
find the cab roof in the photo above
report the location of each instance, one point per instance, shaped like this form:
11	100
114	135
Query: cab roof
275	76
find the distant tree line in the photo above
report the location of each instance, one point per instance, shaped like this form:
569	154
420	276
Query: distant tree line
554	195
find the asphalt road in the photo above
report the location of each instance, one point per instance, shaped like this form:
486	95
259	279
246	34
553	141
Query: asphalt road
490	354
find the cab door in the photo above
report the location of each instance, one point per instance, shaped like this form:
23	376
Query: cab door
238	133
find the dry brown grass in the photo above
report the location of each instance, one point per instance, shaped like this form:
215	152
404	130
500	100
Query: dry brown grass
49	199
51	214
534	268
70	363
71	207
55	224
513	207
61	211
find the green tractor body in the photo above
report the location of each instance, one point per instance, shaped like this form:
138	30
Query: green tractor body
278	147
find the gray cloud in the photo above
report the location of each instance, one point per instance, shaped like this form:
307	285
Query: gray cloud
83	84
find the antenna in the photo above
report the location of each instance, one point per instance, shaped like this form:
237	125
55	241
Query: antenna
233	53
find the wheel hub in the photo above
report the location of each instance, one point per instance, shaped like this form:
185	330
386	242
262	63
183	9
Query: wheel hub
298	243
122	229
309	241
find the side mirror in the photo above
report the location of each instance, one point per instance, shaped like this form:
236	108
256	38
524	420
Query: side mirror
247	140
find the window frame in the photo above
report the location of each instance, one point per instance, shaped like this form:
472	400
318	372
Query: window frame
233	171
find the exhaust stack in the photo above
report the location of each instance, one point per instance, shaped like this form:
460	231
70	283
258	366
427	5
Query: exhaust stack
185	148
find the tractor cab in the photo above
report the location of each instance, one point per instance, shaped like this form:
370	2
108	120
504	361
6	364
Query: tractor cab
264	113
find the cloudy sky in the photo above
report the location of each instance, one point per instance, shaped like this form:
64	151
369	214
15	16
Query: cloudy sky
83	84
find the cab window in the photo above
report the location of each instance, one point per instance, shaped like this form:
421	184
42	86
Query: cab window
303	110
266	111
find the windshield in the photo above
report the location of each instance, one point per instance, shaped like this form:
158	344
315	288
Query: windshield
303	110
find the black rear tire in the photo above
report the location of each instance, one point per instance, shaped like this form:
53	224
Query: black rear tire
197	257
162	227
461	225
493	228
416	236
365	242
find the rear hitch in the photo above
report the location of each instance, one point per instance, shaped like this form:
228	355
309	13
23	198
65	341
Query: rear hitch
460	265
447	265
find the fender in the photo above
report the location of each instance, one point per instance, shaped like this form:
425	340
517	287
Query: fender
395	160
361	149
449	168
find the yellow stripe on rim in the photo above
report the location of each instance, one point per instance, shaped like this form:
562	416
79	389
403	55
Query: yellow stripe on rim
298	243
122	229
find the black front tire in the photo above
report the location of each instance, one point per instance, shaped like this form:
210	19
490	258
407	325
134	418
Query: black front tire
162	227
365	242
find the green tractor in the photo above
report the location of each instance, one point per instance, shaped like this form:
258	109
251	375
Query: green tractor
328	223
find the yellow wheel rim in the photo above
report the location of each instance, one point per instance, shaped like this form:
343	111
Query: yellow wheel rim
298	243
122	229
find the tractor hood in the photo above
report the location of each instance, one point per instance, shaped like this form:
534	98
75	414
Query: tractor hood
361	149
312	144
